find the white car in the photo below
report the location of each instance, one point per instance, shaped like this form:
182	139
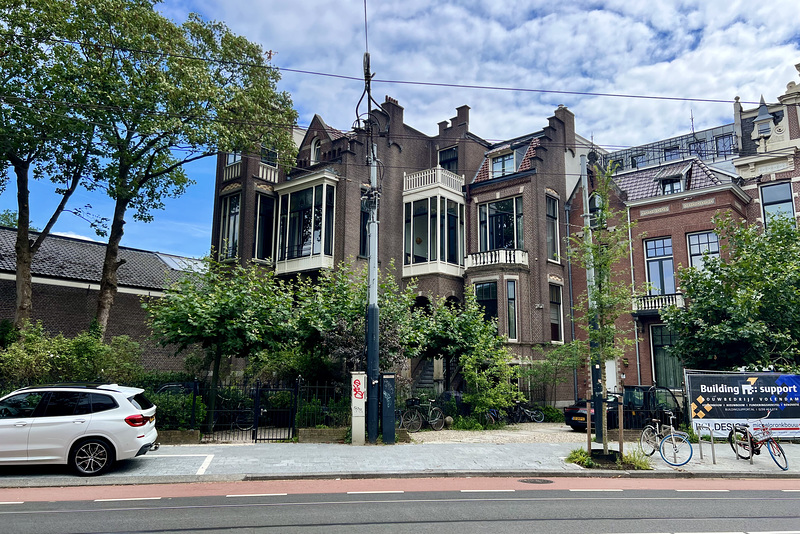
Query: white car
88	426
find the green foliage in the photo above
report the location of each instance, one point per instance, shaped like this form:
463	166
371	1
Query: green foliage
743	307
552	414
174	411
553	366
580	457
466	423
636	459
8	334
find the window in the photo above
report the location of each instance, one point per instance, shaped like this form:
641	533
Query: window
448	159
316	151
667	367
233	157
552	228
62	403
265	222
556	330
595	204
698	149
20	405
486	296
777	201
269	157
670	186
306	222
706	243
724	145
502	165
672	153
434	230
511	297
500	225
229	227
660	272
637	161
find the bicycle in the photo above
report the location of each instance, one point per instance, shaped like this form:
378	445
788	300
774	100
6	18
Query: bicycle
417	412
745	443
675	447
522	414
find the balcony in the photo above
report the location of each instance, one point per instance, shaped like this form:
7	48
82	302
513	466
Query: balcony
232	171
653	304
268	172
432	177
497	257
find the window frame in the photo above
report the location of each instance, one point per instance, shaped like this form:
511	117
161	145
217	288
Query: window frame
262	224
449	163
656	370
487	238
557	306
660	261
491	287
553	239
697	251
230	226
232	158
507	165
786	201
512	310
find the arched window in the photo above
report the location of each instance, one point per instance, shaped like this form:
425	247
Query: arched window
315	151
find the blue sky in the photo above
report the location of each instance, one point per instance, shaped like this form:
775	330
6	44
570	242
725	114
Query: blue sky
705	49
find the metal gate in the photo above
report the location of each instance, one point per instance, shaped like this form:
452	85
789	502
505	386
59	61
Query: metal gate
274	412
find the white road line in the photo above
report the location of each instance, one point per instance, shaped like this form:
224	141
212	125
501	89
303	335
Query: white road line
130	499
595	490
791	490
259	495
704	491
206	463
487	491
13	502
373	492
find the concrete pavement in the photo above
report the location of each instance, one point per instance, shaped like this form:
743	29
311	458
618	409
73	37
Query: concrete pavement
264	461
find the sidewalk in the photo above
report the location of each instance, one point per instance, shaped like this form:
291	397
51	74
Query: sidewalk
264	461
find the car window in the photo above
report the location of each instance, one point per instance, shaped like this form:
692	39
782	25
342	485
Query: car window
634	397
62	403
84	405
20	405
101	403
140	401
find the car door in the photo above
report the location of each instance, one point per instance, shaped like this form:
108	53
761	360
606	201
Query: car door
16	419
64	419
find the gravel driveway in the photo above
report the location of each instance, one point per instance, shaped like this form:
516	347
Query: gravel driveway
521	433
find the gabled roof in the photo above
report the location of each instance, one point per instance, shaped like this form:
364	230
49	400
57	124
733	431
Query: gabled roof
484	173
646	182
67	258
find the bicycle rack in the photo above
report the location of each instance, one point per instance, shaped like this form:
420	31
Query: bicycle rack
700	441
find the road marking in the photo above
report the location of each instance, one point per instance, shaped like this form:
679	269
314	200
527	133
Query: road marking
373	492
13	502
595	490
206	463
259	495
129	499
790	490
704	491
487	491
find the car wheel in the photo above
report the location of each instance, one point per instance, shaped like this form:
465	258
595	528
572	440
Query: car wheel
91	457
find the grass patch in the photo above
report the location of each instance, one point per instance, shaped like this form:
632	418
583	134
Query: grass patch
635	460
580	457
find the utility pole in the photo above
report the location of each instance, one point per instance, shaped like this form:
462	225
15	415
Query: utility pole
372	196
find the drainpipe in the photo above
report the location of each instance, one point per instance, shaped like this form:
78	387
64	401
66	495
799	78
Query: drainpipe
635	321
567	208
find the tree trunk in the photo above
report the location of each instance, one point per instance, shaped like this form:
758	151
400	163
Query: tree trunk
22	247
108	282
212	398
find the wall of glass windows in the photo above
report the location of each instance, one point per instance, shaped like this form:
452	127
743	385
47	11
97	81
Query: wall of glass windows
230	207
500	225
306	219
433	231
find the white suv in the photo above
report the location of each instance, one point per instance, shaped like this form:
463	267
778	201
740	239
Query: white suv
88	426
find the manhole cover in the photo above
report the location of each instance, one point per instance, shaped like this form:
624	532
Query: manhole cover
536	481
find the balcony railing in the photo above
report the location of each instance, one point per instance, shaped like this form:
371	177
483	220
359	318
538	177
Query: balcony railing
655	303
497	257
435	176
232	171
268	172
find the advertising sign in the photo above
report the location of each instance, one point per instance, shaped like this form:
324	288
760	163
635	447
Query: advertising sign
720	400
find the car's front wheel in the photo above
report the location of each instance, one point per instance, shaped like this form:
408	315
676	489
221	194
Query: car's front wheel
91	457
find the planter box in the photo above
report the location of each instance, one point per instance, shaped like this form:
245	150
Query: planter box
321	435
178	437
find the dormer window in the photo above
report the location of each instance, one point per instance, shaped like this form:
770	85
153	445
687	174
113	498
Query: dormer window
671	185
672	153
316	151
503	165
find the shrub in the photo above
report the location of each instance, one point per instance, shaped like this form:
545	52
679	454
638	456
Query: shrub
580	457
174	411
635	460
552	415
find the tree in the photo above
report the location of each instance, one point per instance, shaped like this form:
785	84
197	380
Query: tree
9	218
602	251
229	310
743	307
548	371
462	334
158	95
41	130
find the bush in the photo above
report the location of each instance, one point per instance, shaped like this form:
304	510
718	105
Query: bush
580	457
552	415
174	411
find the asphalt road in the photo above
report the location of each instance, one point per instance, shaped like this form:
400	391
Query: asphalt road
593	510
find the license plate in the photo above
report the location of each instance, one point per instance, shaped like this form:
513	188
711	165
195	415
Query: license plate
577	418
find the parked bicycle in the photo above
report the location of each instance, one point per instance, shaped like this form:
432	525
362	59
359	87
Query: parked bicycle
418	412
522	414
745	443
673	445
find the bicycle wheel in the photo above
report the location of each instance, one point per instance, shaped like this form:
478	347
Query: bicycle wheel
675	449
537	415
518	415
486	419
244	420
739	443
776	451
648	441
412	420
436	418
